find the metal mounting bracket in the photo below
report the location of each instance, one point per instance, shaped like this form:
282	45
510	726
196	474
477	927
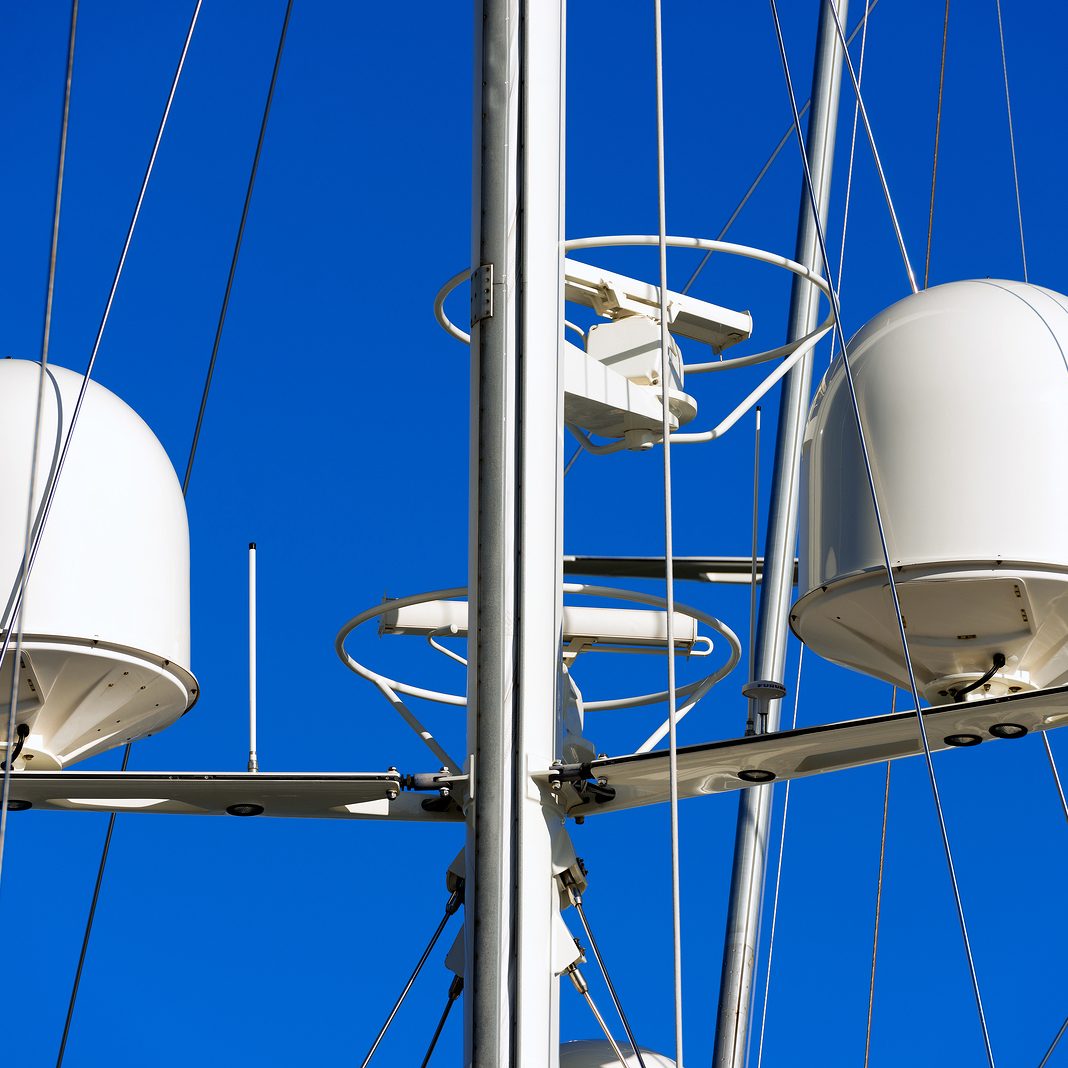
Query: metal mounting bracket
481	293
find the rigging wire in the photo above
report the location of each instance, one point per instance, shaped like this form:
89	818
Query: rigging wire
580	984
783	141
1056	775
756	534
874	152
576	900
105	851
1053	1044
18	615
455	901
89	925
891	581
778	875
669	560
237	250
1012	139
878	898
852	153
455	990
938	132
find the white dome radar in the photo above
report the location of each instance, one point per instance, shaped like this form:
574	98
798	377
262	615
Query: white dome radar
963	393
106	617
597	1053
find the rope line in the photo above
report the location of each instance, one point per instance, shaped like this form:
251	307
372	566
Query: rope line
669	562
878	898
778	876
237	251
783	141
938	133
892	583
18	615
1012	139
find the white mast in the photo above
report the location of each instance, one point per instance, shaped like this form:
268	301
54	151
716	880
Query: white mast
510	1011
766	687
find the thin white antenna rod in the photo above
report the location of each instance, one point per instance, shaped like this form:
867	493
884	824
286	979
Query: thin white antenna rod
253	759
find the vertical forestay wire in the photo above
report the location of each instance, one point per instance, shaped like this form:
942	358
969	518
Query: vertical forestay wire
1012	139
18	615
938	133
669	562
875	503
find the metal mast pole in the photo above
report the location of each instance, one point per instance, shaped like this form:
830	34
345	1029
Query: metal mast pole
510	995
754	806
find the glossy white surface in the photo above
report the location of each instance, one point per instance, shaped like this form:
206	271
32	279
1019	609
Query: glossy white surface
106	614
963	391
597	1053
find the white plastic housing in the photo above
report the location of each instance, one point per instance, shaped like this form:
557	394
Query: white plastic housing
963	392
106	616
597	1053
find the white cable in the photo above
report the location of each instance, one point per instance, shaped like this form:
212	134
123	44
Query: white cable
669	563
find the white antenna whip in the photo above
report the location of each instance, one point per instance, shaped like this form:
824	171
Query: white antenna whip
253	760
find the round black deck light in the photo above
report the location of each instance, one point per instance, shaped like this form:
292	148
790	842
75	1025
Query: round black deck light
756	775
244	810
15	804
1008	730
963	739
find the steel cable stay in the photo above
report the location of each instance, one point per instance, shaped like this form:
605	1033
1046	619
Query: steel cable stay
778	875
105	851
456	899
15	620
237	248
878	900
576	899
456	988
1012	138
1023	255
1053	1045
669	557
50	489
938	133
783	141
891	581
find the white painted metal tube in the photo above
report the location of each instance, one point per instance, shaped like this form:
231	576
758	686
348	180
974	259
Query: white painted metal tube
253	758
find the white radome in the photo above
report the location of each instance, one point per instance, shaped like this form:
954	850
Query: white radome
106	620
597	1053
963	392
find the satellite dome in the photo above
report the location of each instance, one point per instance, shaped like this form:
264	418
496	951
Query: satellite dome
597	1053
963	393
105	652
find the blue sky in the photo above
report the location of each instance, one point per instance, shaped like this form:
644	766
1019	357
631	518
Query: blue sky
336	438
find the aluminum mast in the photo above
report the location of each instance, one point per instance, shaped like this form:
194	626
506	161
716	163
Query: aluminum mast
511	995
754	806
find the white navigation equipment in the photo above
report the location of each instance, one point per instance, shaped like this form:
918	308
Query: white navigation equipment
597	1053
106	616
963	392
